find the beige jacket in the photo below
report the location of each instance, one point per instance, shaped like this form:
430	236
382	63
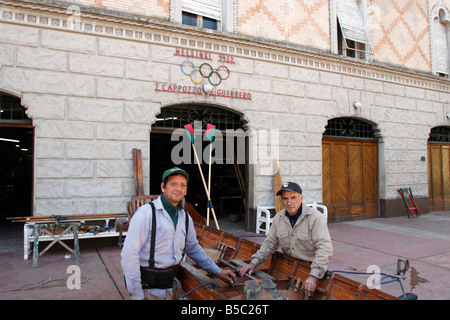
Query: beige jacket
308	240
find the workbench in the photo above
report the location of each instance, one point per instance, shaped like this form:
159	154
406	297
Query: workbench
38	229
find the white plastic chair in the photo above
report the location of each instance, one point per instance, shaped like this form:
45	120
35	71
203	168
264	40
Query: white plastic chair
320	208
263	216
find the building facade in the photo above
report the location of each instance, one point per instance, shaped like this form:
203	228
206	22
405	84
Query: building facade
350	97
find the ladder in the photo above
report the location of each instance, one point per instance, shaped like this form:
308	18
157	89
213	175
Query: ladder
409	210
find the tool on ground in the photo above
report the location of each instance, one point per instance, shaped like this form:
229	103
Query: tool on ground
402	266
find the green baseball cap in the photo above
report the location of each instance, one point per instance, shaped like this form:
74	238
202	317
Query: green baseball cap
173	171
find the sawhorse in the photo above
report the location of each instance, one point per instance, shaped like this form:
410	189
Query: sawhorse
409	210
74	226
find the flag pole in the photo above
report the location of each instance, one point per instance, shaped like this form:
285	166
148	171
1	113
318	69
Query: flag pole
190	131
209	183
206	189
210	130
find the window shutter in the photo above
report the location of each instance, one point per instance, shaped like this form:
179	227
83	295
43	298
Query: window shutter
206	8
441	46
351	21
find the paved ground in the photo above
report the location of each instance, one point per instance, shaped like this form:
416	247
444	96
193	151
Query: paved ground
425	241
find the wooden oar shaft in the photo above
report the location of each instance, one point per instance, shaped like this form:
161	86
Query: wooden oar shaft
206	188
209	183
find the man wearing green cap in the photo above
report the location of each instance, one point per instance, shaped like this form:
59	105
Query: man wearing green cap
150	260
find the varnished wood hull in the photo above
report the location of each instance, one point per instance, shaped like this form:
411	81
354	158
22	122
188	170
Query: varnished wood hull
287	273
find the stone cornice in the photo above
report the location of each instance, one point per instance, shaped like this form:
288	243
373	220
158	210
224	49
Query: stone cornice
126	26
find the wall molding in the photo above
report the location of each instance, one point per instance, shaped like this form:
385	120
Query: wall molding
169	34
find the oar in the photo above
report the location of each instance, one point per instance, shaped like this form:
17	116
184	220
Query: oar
190	133
210	130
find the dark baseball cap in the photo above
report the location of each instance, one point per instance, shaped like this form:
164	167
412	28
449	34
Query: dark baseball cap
174	171
290	186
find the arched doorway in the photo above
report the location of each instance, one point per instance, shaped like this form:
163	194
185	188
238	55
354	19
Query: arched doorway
438	150
16	159
350	170
229	172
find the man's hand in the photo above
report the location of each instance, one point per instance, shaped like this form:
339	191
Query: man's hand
310	285
249	268
227	275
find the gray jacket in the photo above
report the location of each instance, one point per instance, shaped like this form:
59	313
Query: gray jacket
308	240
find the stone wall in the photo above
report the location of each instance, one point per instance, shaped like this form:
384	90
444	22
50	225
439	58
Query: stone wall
399	31
91	94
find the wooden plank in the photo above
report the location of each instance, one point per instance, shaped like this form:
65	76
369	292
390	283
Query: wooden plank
93	216
277	182
197	274
370	167
137	166
327	183
445	171
340	174
356	185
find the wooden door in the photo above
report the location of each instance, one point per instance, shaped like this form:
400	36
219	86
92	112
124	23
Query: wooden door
439	176
350	179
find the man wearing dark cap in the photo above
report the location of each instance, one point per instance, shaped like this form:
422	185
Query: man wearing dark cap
150	261
301	232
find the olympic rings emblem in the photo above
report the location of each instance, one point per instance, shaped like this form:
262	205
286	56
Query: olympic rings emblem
198	75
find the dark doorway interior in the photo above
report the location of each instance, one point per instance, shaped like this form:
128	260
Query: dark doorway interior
227	195
16	171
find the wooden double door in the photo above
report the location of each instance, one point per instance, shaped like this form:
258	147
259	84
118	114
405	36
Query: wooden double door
439	176
350	178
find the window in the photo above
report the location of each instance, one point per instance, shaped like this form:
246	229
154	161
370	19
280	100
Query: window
11	109
208	14
209	23
439	134
349	128
352	37
440	17
195	20
180	115
189	19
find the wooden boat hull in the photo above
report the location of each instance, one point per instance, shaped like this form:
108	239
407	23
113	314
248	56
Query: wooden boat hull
286	273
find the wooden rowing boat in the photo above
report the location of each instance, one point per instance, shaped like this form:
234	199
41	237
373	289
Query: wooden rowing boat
280	277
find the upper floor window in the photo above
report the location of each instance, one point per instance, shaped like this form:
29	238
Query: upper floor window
208	14
352	36
440	17
191	19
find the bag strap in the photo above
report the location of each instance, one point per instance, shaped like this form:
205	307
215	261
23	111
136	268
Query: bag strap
151	261
187	228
